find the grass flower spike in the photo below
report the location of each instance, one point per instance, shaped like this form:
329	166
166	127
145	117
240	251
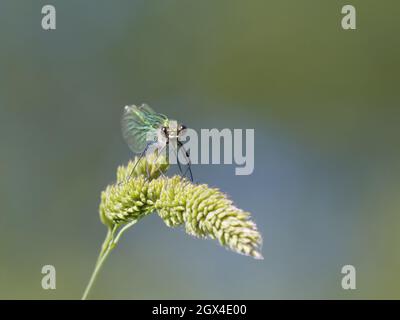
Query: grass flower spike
203	211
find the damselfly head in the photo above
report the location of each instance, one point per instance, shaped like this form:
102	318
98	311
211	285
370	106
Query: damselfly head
172	130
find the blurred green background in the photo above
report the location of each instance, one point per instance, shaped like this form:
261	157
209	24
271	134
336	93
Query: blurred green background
324	104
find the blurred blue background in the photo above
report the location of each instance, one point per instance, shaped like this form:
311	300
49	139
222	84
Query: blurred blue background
324	104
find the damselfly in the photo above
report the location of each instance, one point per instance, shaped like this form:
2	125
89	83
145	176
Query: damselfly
142	127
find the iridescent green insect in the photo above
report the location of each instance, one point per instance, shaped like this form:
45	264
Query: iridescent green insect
143	127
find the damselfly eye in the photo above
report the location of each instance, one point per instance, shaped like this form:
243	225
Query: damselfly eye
181	127
165	130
